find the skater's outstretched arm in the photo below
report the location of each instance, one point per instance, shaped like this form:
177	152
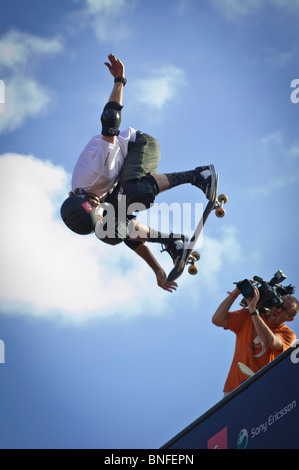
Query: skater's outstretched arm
145	253
117	70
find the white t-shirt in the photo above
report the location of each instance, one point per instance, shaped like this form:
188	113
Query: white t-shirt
98	166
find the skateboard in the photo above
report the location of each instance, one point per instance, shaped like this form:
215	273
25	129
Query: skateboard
191	256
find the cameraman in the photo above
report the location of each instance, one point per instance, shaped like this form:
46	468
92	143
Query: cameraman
260	338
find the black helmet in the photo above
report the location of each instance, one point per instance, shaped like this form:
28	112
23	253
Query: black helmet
78	214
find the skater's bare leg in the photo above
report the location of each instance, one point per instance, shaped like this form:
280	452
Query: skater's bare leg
162	181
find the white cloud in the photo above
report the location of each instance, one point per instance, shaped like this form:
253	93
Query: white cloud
18	49
25	97
235	10
273	150
159	88
273	57
106	18
279	58
46	268
276	148
238	10
48	271
218	252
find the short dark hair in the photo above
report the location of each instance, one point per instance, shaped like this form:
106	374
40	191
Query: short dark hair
295	306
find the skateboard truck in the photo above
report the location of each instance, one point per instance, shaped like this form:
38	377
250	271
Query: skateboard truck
219	212
221	200
192	260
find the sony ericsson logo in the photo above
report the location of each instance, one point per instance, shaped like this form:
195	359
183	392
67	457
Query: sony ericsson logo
260	429
242	439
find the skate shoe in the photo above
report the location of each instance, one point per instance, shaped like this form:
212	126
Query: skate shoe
176	247
205	179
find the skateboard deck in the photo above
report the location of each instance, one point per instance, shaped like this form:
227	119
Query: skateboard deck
190	256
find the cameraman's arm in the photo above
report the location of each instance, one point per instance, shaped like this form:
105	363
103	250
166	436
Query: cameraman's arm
267	336
220	316
269	339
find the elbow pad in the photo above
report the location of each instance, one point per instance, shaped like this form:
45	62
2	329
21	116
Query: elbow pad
111	119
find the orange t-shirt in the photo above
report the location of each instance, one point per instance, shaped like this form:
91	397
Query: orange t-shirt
249	347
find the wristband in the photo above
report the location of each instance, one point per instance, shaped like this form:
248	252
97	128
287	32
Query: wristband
231	294
123	80
256	312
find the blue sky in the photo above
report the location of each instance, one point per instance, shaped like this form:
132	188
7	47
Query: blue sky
96	355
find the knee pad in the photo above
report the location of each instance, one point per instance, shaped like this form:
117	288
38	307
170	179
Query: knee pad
139	202
111	119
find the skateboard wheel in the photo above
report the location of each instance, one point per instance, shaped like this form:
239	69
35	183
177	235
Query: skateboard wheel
222	198
220	212
195	255
192	270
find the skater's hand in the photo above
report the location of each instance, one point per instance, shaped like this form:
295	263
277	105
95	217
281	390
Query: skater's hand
145	253
116	67
163	283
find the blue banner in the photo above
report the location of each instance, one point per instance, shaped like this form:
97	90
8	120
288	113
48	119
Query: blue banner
263	413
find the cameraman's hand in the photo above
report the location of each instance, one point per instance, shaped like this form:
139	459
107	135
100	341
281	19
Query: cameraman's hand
252	302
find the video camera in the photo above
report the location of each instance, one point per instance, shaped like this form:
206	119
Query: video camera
271	292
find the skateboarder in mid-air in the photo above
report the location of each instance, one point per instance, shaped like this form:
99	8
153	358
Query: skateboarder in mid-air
122	166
